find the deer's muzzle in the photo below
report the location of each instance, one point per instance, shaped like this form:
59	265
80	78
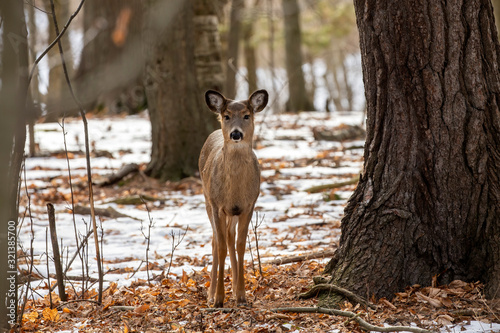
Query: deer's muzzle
236	136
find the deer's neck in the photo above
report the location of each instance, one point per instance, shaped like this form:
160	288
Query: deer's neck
236	154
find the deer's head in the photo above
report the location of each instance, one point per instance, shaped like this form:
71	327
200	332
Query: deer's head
237	117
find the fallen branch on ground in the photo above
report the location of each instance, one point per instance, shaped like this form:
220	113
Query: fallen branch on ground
119	175
136	200
362	323
336	289
320	188
303	257
103	212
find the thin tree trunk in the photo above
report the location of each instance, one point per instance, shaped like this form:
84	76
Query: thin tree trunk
298	100
58	97
233	48
13	93
249	48
34	90
428	202
250	59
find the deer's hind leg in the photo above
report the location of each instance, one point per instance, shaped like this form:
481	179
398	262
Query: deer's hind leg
244	221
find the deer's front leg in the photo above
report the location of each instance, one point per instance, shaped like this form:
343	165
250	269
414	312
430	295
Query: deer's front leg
220	226
244	221
231	232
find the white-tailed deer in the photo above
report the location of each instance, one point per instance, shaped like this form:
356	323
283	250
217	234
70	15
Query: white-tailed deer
230	174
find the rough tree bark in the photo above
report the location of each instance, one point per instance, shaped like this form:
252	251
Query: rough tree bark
13	92
428	201
298	99
183	62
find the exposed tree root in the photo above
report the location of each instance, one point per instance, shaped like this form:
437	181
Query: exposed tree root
336	289
351	315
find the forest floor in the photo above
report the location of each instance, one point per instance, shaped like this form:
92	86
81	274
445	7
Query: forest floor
157	252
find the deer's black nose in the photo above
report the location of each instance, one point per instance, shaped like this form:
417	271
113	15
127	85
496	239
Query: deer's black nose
236	135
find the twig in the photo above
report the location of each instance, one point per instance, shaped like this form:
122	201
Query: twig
254	228
222	310
148	237
175	245
82	244
123	307
55	251
251	255
362	323
336	289
303	257
48	271
137	269
72	199
31	255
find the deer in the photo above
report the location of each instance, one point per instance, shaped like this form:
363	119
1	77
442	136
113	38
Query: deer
230	176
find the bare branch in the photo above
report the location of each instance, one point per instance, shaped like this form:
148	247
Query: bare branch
303	257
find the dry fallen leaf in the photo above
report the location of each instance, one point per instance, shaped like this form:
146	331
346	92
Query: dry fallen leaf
432	301
50	314
142	308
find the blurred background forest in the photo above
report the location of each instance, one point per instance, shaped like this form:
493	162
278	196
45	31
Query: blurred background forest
125	56
307	47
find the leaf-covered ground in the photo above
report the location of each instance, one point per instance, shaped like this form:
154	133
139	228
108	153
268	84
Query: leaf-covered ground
161	233
180	305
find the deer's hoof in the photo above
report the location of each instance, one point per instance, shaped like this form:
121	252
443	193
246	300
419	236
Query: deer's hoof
242	302
218	304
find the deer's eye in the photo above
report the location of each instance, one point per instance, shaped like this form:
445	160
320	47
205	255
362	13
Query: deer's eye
226	117
247	116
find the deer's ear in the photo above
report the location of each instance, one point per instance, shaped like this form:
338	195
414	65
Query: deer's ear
215	100
258	100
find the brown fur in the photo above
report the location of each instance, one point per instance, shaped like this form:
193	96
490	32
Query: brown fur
231	183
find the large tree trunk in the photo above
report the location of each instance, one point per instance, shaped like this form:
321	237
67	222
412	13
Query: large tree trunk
13	92
297	100
428	201
183	61
110	72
